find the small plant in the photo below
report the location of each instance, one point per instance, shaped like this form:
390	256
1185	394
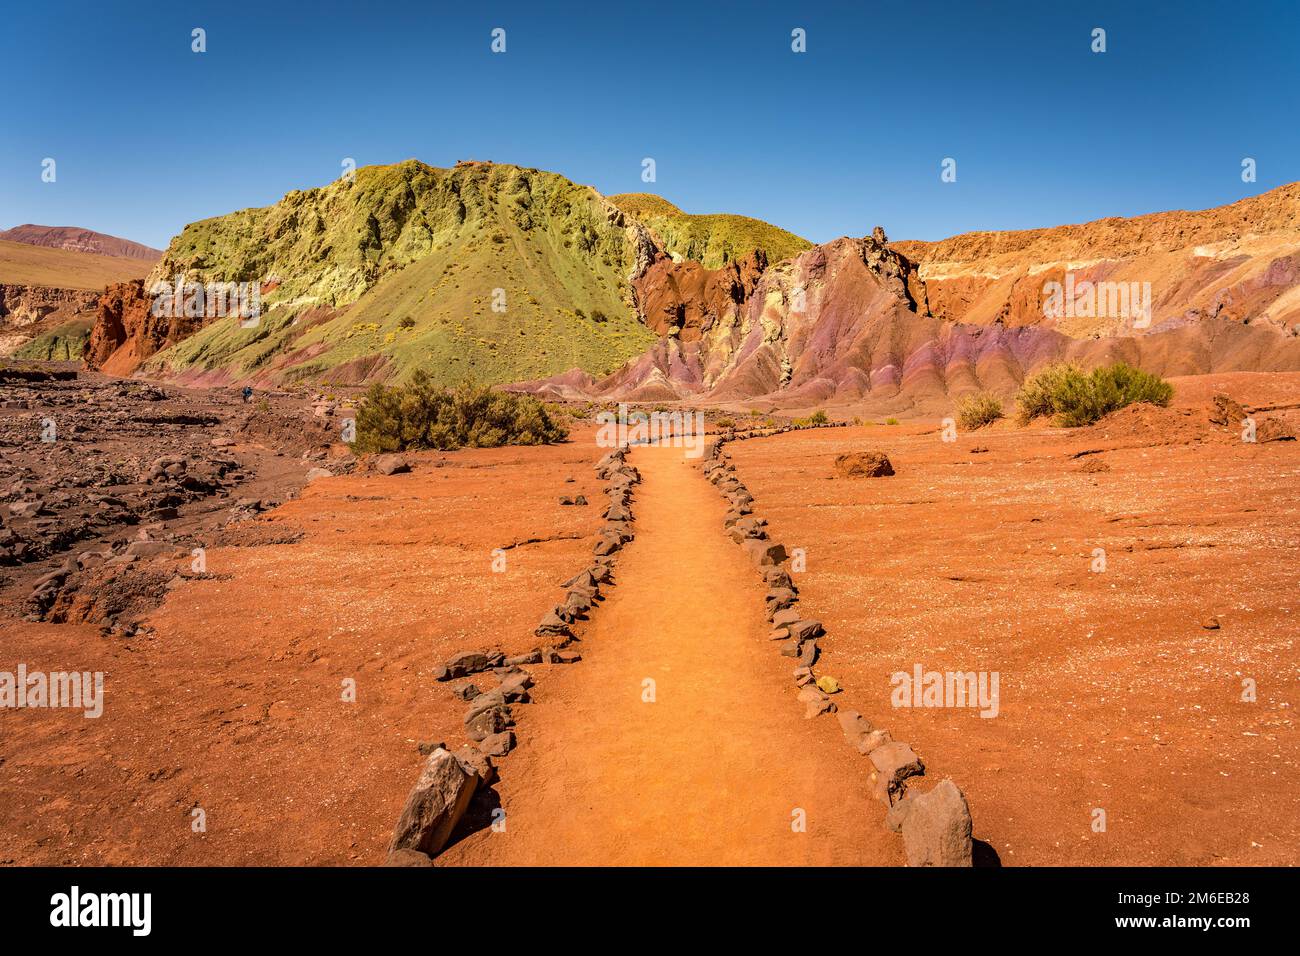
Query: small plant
891	421
1073	397
406	322
976	411
726	423
812	421
598	316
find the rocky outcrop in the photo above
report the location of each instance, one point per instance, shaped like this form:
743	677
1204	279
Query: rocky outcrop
27	310
1234	262
854	321
126	331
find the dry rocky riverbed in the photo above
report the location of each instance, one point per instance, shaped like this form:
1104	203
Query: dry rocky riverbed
98	476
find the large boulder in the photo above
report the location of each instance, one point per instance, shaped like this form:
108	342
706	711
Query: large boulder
937	827
435	805
863	464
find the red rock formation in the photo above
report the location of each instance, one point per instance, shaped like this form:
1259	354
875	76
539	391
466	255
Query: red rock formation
1235	262
685	300
127	332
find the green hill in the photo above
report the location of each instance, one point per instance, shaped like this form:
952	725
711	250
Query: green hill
713	239
405	260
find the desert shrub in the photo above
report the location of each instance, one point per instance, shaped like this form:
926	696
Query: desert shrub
406	322
891	421
976	411
598	316
422	414
1073	397
816	418
725	423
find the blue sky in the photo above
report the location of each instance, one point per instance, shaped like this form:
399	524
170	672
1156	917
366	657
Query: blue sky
149	136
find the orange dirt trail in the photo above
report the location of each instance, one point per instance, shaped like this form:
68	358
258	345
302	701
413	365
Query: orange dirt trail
712	772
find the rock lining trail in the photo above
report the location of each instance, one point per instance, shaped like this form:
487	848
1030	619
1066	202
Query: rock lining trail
720	765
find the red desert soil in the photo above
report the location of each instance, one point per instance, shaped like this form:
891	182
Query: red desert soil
716	768
234	703
1113	694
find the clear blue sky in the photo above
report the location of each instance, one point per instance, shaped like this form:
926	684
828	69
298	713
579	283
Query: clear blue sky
149	136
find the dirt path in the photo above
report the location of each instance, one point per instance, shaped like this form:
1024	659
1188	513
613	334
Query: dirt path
713	771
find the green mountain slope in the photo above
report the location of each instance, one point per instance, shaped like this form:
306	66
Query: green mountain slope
398	269
713	239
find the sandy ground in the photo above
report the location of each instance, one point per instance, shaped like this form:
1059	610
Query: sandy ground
712	762
234	704
1113	696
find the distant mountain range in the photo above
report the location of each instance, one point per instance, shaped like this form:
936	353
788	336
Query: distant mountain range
76	239
512	275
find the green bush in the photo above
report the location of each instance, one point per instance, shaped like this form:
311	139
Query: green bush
891	421
976	411
424	415
1073	397
816	418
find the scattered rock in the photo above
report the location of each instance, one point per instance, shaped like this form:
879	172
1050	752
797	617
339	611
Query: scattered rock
854	726
1211	623
475	761
498	745
391	465
470	662
764	553
532	657
1273	429
481	724
1226	411
828	684
863	464
808	630
894	763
